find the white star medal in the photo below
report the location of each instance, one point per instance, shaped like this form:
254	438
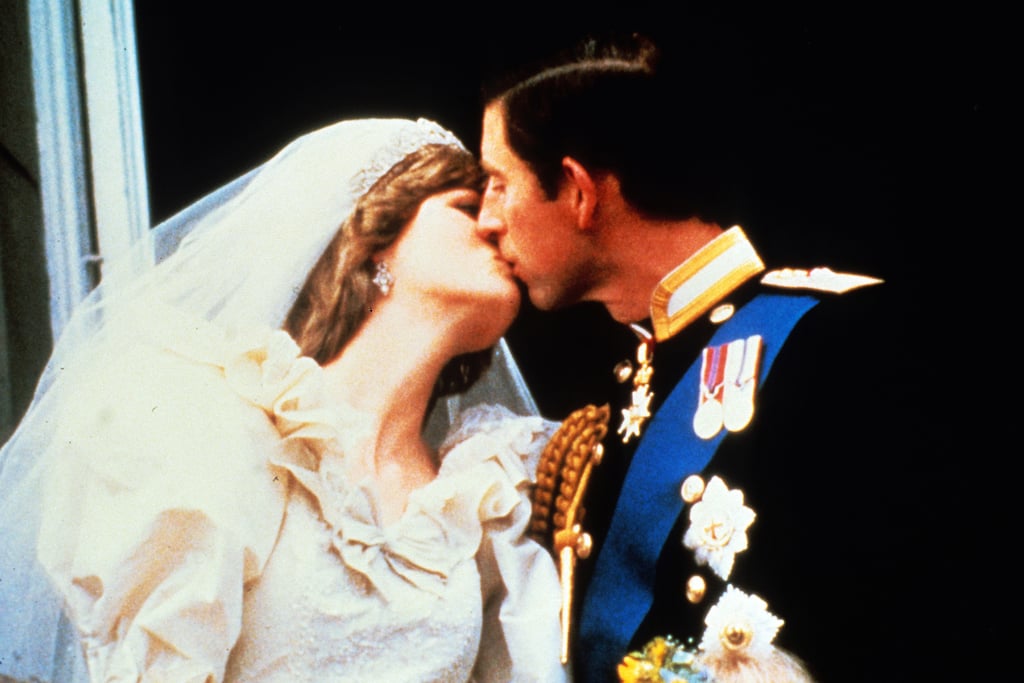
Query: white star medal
639	410
718	527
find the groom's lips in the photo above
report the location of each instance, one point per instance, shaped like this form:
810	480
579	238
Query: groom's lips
506	266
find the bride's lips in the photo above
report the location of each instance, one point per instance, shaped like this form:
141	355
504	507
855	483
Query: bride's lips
505	265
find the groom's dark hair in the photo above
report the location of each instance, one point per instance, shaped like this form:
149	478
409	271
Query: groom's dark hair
663	125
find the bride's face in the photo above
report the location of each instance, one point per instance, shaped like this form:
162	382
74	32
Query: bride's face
443	257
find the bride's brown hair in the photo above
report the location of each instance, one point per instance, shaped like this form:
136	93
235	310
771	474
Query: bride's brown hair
338	293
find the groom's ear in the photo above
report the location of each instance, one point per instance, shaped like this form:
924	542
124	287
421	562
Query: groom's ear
582	192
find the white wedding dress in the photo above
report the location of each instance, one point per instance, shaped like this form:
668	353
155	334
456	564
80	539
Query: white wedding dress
201	527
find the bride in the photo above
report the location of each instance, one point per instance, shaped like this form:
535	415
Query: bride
227	473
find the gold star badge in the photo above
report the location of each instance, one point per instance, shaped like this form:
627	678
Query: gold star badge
639	410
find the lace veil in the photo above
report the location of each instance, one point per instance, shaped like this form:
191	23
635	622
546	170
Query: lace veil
236	258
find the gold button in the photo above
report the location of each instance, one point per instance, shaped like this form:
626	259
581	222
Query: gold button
722	313
736	637
623	370
696	588
584	545
692	489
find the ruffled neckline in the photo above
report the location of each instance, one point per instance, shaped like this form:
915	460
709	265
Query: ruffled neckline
482	476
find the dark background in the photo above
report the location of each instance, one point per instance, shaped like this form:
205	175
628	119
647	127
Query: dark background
871	131
852	110
876	144
876	141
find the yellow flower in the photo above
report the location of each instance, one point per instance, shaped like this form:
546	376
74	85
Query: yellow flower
636	670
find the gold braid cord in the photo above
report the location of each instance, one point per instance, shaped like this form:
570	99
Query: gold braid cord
562	476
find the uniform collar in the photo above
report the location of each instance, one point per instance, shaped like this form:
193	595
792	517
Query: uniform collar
699	282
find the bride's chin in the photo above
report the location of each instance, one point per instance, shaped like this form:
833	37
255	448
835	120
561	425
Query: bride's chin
495	318
501	301
510	307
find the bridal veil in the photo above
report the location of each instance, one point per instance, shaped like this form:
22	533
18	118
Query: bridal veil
236	258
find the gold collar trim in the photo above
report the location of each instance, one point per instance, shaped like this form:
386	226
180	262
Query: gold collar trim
702	280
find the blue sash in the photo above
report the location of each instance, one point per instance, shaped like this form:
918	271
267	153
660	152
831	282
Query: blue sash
620	593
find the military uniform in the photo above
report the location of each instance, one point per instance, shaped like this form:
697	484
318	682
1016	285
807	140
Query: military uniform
821	474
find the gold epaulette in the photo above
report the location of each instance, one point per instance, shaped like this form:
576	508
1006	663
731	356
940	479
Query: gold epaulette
819	279
564	470
562	477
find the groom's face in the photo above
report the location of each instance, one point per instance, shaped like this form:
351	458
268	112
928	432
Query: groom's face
535	234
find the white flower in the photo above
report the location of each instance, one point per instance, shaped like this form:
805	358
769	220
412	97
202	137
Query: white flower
740	623
718	527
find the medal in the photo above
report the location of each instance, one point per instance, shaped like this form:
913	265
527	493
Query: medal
740	381
708	419
639	410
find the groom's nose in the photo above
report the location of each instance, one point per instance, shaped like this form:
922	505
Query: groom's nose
490	224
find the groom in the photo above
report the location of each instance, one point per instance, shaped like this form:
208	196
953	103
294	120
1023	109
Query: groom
746	501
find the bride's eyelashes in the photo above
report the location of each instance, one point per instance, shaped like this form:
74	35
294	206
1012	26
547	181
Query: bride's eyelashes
468	202
471	209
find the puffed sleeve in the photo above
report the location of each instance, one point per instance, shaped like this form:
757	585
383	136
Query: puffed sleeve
520	637
521	609
160	506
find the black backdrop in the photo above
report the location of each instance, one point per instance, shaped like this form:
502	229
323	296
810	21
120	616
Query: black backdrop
871	126
876	151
